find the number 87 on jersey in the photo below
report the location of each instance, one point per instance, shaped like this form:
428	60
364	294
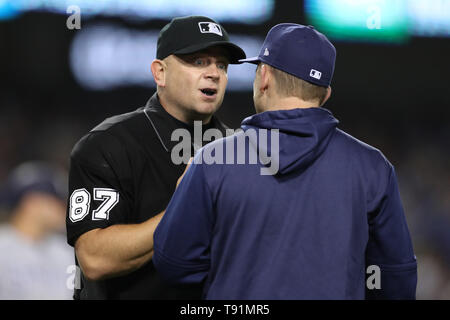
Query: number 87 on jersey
80	202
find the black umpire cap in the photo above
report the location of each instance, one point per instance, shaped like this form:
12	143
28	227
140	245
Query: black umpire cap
184	35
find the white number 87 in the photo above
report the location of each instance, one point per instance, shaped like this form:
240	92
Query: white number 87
80	202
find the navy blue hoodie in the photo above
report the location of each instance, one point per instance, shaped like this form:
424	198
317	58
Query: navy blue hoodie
310	231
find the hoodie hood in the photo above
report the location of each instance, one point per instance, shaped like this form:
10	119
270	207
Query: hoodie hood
303	135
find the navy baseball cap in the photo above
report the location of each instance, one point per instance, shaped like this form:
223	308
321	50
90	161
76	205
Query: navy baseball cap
184	35
300	51
33	176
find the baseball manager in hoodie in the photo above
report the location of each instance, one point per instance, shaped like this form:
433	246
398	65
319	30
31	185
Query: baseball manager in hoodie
311	229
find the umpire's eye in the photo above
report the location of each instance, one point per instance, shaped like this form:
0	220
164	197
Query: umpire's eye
199	62
222	66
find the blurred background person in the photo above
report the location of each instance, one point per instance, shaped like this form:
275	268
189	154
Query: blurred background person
34	256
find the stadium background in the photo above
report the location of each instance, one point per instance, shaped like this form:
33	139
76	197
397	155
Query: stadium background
390	93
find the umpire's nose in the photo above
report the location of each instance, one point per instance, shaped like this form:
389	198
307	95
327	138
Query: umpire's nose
212	71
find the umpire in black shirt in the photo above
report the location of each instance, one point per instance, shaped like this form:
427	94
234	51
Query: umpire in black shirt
122	175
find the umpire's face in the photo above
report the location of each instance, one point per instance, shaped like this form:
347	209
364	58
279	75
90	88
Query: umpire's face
194	84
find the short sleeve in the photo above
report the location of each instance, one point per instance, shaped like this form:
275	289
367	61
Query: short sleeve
97	198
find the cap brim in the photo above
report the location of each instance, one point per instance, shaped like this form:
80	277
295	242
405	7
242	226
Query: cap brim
254	60
235	53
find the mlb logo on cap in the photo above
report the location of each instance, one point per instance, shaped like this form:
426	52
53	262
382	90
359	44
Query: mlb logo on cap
315	74
210	27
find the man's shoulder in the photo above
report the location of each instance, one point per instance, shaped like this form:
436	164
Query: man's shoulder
120	121
360	149
351	141
111	136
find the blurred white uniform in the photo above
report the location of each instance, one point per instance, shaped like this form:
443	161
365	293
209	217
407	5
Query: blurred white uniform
34	270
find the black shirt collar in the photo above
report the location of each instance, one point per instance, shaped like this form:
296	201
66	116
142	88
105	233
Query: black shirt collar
164	123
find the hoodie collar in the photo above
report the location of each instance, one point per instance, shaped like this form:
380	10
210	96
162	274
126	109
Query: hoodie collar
303	134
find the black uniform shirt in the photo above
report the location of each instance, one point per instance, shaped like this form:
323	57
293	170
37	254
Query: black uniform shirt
121	172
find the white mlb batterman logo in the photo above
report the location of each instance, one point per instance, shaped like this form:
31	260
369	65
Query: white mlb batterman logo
210	27
266	52
315	74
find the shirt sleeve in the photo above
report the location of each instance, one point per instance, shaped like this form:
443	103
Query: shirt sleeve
182	238
390	247
96	191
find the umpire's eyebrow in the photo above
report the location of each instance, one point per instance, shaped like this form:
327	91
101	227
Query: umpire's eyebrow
216	52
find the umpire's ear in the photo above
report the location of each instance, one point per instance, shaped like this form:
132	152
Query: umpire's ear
158	68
